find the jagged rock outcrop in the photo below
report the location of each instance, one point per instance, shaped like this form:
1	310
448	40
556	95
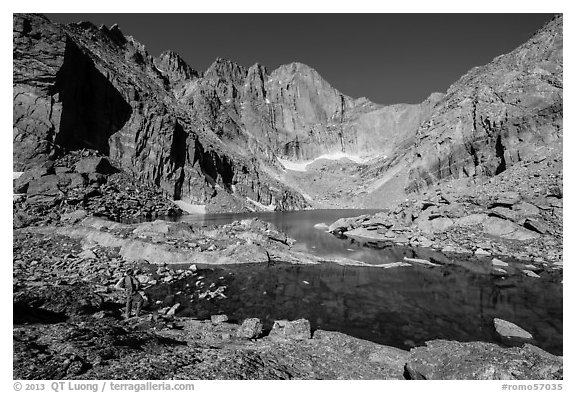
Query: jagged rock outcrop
215	137
80	86
495	115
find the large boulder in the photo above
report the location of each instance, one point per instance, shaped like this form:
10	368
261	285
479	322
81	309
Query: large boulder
536	225
507	199
20	184
45	185
499	227
439	224
346	224
442	359
250	328
471	220
95	165
510	333
295	330
526	209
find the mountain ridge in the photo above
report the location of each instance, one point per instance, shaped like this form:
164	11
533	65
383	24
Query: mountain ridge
194	134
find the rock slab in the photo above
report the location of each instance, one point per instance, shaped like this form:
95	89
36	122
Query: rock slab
442	359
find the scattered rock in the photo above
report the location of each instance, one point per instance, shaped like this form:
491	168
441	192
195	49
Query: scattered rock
507	199
74	216
250	328
172	310
435	225
536	225
530	273
481	253
217	319
295	330
498	262
510	333
95	165
87	254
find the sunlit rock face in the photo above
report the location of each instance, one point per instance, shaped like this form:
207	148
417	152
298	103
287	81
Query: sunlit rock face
495	115
217	136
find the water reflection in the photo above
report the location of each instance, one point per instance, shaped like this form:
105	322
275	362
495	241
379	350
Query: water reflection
299	225
402	307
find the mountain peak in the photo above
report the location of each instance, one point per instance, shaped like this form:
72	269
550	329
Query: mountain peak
174	66
225	69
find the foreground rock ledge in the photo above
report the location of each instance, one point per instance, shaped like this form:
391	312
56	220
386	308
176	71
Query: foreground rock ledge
442	359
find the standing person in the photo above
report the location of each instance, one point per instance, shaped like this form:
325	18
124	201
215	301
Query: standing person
131	285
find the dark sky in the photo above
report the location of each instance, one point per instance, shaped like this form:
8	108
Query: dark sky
389	58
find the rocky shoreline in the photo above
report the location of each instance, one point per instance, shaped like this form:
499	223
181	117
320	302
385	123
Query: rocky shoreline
67	316
517	214
68	324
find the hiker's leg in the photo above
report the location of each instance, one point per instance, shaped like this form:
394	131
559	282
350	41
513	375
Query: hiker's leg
128	306
138	300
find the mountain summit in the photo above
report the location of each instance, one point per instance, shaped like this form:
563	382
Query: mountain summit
230	136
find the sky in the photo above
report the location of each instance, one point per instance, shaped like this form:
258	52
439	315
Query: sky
389	58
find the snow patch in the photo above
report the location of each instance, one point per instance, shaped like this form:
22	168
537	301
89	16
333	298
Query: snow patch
16	175
190	207
301	166
268	208
267	101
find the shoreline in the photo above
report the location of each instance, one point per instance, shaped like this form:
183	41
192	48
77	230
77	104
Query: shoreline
91	311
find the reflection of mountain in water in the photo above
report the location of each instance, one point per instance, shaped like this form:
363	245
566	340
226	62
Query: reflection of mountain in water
299	225
400	307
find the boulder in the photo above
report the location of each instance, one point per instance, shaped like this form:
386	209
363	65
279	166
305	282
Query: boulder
525	209
536	225
435	225
295	330
20	183
172	310
364	233
72	180
470	220
95	165
218	319
503	212
530	273
442	360
498	262
481	253
45	185
510	333
506	229
74	216
507	199
87	254
250	328
346	224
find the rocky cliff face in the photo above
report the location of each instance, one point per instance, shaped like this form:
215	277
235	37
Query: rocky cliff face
495	115
82	86
216	137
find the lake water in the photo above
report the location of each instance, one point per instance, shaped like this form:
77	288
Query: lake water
402	307
299	225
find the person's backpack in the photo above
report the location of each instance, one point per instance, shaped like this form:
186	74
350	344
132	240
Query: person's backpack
131	284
